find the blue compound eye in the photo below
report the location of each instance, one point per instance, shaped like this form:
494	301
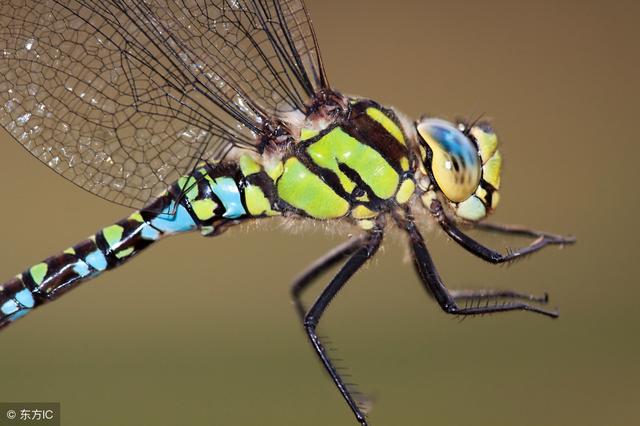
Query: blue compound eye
455	162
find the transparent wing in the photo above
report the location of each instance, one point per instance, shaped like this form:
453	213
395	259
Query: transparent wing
123	97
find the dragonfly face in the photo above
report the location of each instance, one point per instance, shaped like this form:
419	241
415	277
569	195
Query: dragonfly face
464	164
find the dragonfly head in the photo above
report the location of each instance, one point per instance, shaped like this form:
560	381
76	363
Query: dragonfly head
463	164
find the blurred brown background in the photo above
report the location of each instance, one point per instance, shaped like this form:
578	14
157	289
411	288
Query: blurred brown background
201	331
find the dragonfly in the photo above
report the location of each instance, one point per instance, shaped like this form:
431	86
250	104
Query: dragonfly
204	114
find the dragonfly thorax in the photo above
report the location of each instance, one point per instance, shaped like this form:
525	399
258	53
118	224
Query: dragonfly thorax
353	162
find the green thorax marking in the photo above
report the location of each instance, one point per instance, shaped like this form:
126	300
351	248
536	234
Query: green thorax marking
337	147
302	189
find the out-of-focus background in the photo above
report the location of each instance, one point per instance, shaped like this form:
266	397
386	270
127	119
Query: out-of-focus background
201	331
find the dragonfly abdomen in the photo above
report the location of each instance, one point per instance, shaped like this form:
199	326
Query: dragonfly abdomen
47	280
209	200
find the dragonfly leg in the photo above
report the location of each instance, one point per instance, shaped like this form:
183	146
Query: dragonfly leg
448	300
319	267
471	297
542	239
359	257
476	297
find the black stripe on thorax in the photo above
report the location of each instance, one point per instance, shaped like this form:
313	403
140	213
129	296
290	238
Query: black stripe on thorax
374	203
327	175
373	134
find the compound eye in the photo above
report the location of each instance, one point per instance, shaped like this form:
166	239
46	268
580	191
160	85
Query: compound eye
455	162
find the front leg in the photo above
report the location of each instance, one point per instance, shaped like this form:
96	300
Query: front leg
541	239
448	300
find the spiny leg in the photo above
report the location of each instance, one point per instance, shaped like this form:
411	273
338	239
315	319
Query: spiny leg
471	297
320	266
366	250
485	253
479	295
436	288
